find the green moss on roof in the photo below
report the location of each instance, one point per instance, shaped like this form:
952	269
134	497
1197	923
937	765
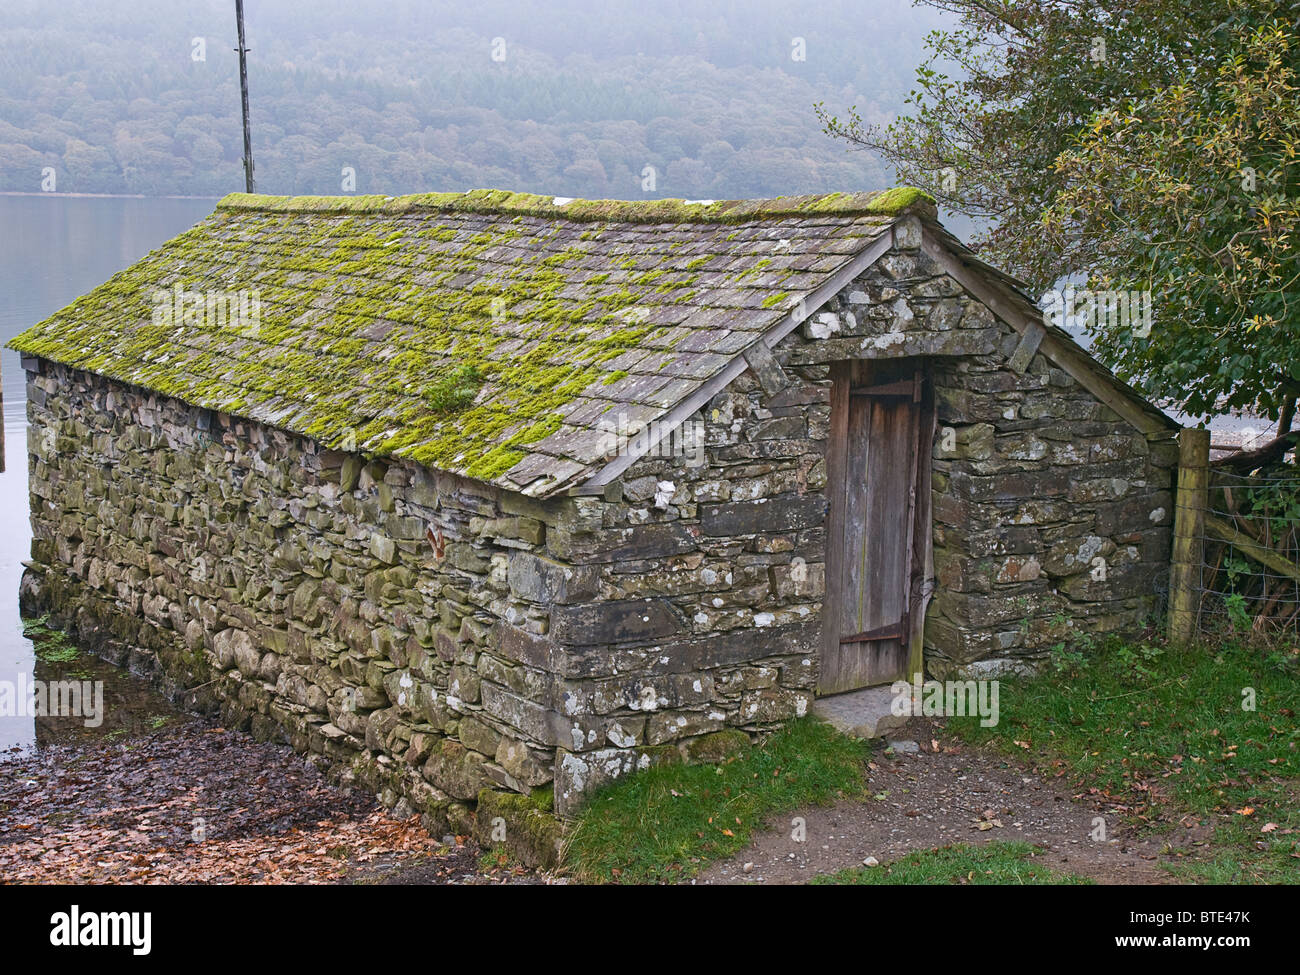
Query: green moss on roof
891	202
902	198
443	328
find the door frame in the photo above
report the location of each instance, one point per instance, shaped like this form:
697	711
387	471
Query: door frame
846	377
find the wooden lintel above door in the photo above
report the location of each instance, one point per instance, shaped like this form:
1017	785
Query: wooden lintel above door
899	387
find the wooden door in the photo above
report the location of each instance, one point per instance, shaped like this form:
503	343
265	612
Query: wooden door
875	554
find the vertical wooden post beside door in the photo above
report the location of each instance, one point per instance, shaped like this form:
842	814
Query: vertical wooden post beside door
1189	532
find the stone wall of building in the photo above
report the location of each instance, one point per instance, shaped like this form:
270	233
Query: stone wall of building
1053	517
709	562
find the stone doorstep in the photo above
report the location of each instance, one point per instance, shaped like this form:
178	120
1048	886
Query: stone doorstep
866	713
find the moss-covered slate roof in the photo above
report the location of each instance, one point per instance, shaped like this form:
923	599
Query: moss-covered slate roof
485	333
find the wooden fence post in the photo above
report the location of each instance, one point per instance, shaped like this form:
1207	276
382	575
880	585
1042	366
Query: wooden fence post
1189	532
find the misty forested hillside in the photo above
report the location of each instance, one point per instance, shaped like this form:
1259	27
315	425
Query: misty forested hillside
576	99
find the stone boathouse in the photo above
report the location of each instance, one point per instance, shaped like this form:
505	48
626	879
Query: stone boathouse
486	495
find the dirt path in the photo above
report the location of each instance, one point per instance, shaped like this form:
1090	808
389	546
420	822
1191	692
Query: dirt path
934	798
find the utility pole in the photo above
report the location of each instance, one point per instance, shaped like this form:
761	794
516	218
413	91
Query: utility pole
243	92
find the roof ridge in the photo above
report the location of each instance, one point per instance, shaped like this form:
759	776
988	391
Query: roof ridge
886	203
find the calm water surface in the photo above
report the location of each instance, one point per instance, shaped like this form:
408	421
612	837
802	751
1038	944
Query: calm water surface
53	249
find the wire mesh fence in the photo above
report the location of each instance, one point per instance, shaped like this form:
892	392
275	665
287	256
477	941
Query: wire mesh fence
1248	577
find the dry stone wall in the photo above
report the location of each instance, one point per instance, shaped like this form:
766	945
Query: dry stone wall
710	561
346	607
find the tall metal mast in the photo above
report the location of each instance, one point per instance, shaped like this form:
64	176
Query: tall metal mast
243	92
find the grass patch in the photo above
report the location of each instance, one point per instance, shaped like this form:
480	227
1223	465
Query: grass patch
995	863
667	822
455	390
1168	732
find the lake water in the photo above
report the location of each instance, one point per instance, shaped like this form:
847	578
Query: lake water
53	249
